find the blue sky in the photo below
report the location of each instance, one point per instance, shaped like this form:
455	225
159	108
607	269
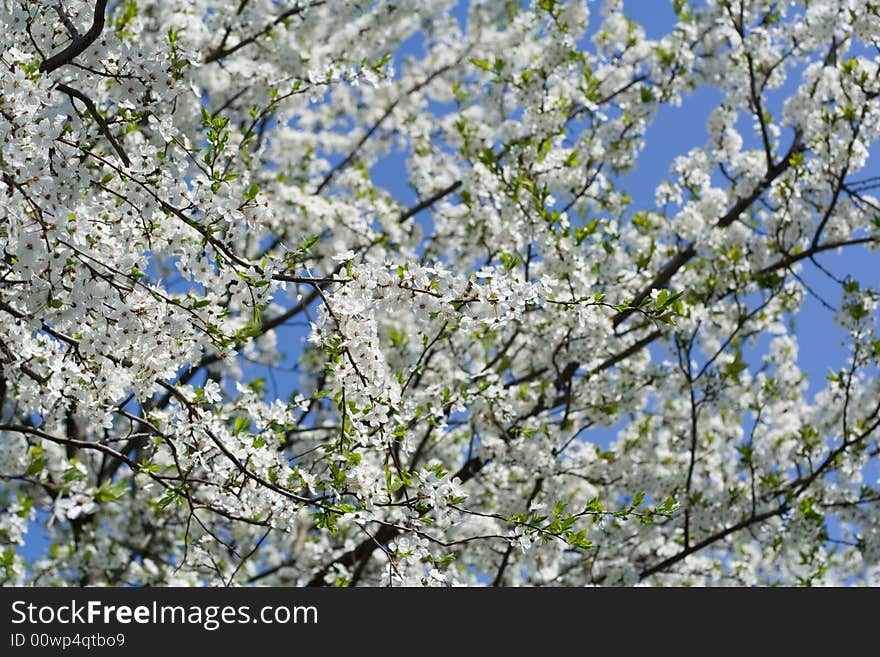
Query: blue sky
675	131
678	129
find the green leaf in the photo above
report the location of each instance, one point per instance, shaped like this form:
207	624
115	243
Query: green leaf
111	491
38	462
482	63
544	149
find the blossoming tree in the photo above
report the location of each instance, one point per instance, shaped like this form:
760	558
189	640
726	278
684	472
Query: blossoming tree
515	375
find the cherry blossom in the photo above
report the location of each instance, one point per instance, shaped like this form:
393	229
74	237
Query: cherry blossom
232	355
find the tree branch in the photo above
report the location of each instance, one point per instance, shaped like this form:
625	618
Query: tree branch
102	123
664	276
221	52
79	44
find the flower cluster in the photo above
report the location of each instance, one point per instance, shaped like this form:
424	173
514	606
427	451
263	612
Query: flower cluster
334	292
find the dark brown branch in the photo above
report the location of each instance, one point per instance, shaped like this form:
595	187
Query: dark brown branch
680	259
79	44
505	560
706	542
363	140
102	123
685	360
220	52
385	534
791	258
428	202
